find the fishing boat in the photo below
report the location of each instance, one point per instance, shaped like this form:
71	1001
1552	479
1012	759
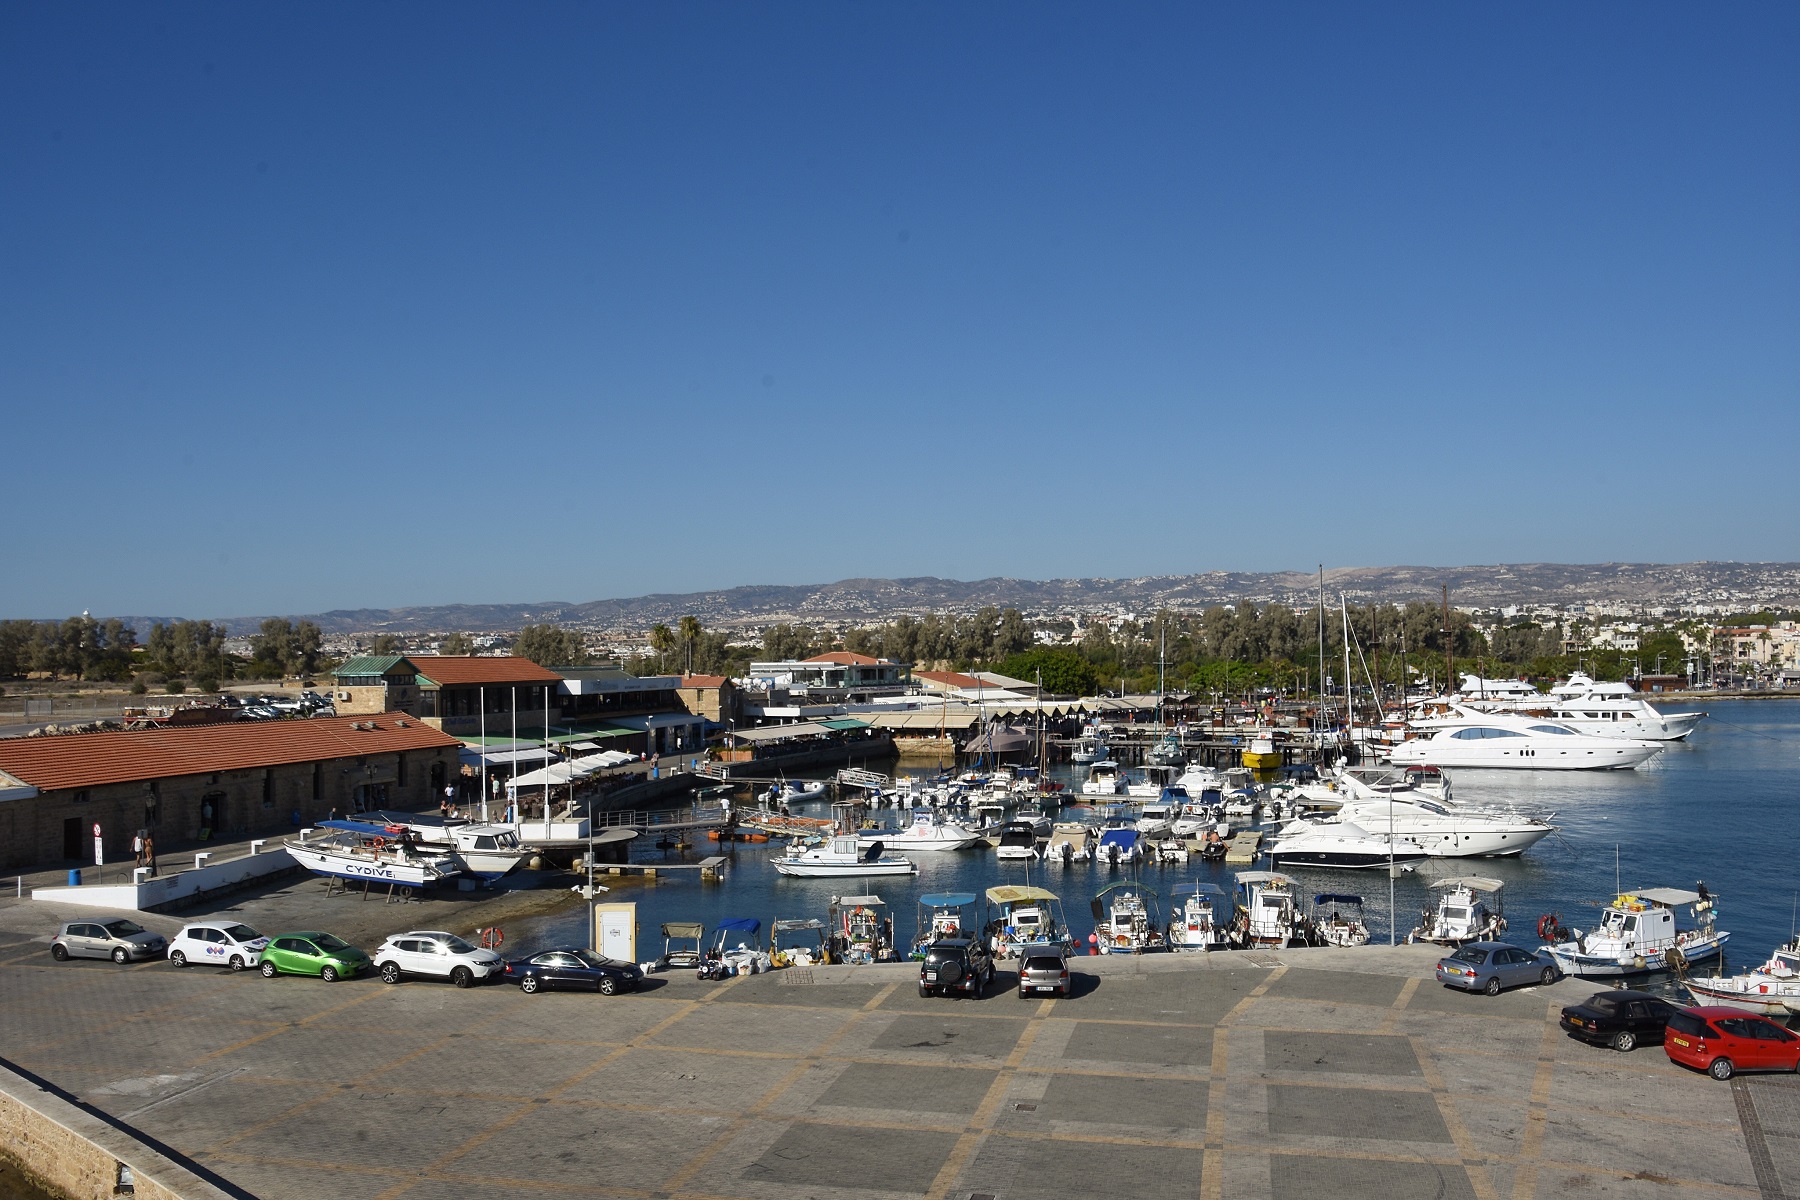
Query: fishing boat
1268	911
375	853
841	856
1468	909
861	930
1090	748
1196	925
1017	840
1025	917
1168	752
1340	844
929	831
1119	846
798	942
1772	989
1337	920
943	915
1638	933
1125	917
1261	754
682	941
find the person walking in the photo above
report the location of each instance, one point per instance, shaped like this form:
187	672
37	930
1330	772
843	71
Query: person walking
150	853
137	847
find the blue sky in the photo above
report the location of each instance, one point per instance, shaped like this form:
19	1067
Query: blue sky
305	307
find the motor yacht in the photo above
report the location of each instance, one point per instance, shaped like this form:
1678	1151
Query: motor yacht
1508	741
1340	844
841	856
1610	709
1102	780
1018	840
1156	818
1447	830
1198	923
929	831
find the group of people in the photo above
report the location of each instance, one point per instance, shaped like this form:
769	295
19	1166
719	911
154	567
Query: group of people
143	847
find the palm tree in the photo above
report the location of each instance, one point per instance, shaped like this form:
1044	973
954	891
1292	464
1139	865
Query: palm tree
662	640
690	633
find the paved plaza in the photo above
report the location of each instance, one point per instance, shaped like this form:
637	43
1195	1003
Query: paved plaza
1303	1074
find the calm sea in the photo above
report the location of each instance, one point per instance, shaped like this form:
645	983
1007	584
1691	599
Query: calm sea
1715	808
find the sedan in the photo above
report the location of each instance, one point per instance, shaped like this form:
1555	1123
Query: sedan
312	953
120	940
572	968
1490	966
1723	1041
1619	1019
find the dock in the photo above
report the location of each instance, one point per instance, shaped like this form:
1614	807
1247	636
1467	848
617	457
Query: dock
1244	848
711	869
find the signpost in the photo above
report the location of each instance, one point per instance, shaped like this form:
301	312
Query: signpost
99	847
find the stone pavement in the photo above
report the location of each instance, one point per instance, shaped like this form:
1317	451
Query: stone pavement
1308	1074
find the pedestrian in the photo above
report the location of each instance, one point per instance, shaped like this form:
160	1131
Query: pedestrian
150	853
444	804
137	846
333	814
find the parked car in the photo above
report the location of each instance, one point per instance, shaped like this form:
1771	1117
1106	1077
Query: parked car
118	939
1724	1041
312	953
218	944
435	954
956	965
569	967
1620	1019
1490	966
1044	969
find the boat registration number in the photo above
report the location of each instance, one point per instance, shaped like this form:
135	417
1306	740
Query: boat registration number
1681	1041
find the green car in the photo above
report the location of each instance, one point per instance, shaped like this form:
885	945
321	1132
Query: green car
312	953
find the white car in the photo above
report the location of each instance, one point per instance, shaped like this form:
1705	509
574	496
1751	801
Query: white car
218	944
436	954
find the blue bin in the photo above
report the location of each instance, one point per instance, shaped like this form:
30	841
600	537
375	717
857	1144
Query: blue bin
75	877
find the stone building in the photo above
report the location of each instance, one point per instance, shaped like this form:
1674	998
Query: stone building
191	783
451	691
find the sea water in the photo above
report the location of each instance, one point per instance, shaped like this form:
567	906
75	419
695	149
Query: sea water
1719	808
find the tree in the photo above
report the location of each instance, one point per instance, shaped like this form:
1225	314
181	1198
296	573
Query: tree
457	643
1065	672
662	640
552	646
387	643
690	633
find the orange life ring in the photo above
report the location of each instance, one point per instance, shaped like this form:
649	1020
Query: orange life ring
492	936
377	843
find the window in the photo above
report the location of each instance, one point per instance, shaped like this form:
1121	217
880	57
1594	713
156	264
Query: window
1689	1024
318	781
1552	729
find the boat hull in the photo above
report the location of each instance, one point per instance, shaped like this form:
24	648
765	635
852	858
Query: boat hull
1571	961
405	874
1742	994
804	870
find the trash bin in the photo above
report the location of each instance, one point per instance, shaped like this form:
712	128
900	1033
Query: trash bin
74	876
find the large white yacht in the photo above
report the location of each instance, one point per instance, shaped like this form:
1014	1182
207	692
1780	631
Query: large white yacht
1586	705
1509	741
1340	844
1442	830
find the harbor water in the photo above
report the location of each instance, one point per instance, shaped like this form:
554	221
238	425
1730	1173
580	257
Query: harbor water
1716	808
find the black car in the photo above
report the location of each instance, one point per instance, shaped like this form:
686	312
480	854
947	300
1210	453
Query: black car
573	968
1619	1019
956	965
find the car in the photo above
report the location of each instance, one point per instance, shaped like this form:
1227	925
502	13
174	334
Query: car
435	954
1490	966
121	940
218	944
1619	1018
574	967
311	952
1044	969
1723	1041
956	965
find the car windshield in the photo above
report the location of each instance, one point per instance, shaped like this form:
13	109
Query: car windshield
241	933
122	929
330	944
457	946
589	958
1471	954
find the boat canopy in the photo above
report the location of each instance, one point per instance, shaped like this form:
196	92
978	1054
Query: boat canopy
740	925
792	924
1119	837
1125	885
1475	883
1013	894
1670	896
363	827
1337	898
947	899
1197	889
683	929
862	901
1263	877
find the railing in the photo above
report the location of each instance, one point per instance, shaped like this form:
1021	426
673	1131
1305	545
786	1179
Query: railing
697	814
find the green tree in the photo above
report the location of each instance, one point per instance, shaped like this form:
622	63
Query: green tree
662	640
690	634
552	646
457	643
387	643
1065	672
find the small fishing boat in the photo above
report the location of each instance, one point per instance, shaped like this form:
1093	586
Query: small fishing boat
1268	911
1125	919
1119	846
1195	925
943	915
1337	920
1772	989
861	929
1018	840
798	942
1469	909
1168	752
682	941
841	856
1025	917
1070	841
1638	933
1261	754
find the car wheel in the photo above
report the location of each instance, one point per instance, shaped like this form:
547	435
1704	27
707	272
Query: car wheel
390	973
178	958
120	956
59	952
1548	977
1493	986
529	984
1721	1068
462	977
1624	1041
329	975
236	963
608	985
924	992
268	970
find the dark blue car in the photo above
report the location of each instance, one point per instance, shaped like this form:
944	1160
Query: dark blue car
1490	966
570	967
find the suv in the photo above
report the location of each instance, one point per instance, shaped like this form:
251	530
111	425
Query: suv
117	939
1043	969
956	965
435	953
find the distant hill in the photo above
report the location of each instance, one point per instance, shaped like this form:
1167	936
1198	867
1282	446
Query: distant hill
1741	585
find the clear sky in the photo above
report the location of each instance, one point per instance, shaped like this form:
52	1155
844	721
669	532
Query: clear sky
332	305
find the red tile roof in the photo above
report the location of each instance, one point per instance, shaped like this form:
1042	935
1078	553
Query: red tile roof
456	670
702	681
954	679
78	760
844	658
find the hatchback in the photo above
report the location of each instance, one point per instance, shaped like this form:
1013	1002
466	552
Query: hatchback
312	953
1490	966
1620	1019
1723	1041
1044	969
218	944
118	939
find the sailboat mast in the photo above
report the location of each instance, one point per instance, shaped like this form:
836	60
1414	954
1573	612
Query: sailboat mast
1349	700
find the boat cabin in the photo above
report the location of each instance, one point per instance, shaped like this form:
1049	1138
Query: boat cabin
1268	908
861	929
1026	916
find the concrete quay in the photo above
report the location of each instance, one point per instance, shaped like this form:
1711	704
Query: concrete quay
1292	1074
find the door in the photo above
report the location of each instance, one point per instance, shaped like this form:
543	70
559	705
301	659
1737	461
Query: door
87	941
72	837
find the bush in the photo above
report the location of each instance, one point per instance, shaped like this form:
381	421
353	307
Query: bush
176	687
139	687
206	683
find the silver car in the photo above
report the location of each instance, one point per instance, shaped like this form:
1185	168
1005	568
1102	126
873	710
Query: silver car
118	939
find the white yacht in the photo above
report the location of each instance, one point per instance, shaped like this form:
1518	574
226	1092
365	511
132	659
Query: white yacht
1156	818
841	856
928	831
1447	830
1468	910
1508	741
1018	840
1340	844
1616	710
1102	780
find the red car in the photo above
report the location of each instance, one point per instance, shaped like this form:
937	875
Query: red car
1723	1041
